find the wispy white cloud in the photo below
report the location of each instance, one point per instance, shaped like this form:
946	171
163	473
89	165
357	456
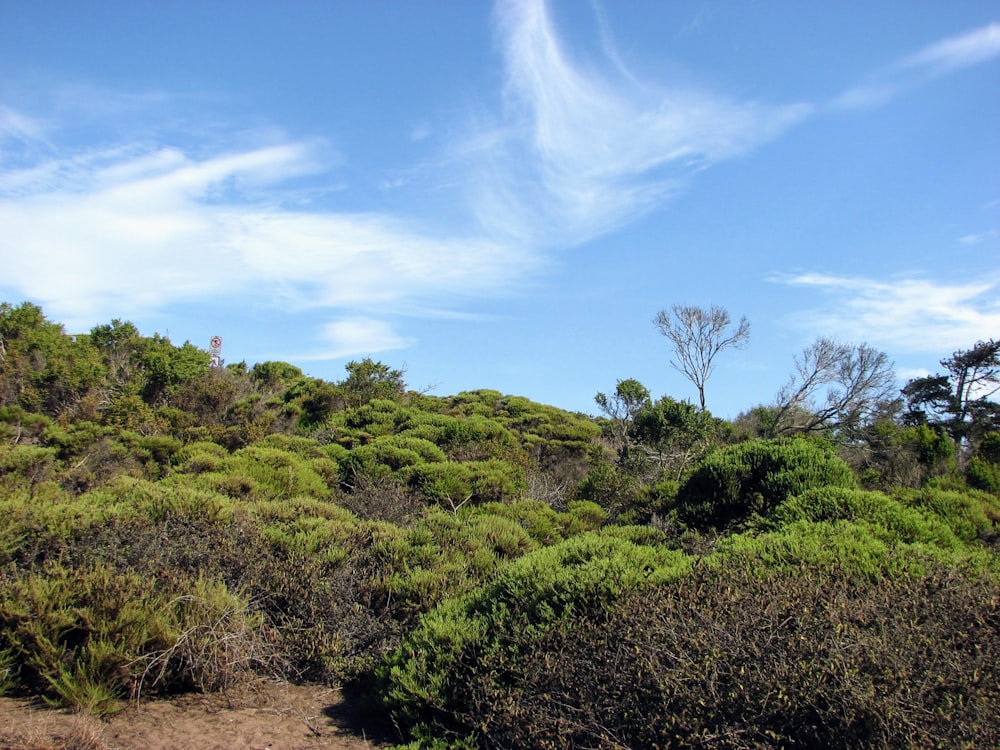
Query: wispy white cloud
904	315
978	238
128	230
957	52
353	336
579	149
573	152
939	58
16	126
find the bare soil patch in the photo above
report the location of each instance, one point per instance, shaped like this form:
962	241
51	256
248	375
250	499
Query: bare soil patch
262	716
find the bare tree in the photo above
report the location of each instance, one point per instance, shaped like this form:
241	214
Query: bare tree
697	335
835	386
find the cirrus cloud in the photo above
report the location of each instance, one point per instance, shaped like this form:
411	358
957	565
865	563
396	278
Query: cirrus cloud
906	314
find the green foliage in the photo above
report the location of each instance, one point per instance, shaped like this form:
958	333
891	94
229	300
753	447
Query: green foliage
41	368
166	367
989	448
610	486
454	484
314	401
446	554
368	380
275	473
476	437
544	524
275	374
19	425
959	402
25	466
675	434
391	454
198	457
895	456
888	519
737	481
76	633
629	398
972	515
428	679
869	551
983	475
726	658
166	527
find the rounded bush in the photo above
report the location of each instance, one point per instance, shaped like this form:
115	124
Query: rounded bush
886	517
973	515
429	677
198	457
983	475
454	484
737	481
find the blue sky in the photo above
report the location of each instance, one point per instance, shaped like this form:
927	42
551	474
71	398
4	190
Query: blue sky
504	195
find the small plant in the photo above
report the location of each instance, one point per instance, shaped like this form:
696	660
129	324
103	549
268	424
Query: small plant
217	643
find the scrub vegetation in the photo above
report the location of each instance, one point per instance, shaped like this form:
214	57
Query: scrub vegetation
483	571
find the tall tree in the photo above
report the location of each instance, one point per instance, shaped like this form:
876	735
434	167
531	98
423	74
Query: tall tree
697	335
961	401
835	386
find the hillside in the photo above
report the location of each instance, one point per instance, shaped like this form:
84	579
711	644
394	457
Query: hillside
481	570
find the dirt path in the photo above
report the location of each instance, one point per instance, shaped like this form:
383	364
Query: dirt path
273	716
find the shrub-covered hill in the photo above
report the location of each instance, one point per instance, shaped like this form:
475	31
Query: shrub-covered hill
483	570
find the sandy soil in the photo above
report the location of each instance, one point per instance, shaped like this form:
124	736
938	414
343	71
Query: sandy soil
265	716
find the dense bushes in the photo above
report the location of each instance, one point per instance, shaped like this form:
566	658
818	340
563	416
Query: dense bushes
728	659
490	571
890	520
433	678
971	514
599	642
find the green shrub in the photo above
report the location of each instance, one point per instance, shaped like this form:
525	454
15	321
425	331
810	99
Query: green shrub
301	446
391	454
18	424
376	417
276	473
543	523
198	457
74	634
737	481
156	501
989	447
611	487
889	519
973	515
24	466
428	679
455	484
476	438
864	550
983	475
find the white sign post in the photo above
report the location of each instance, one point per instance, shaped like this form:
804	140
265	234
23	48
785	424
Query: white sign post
215	351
